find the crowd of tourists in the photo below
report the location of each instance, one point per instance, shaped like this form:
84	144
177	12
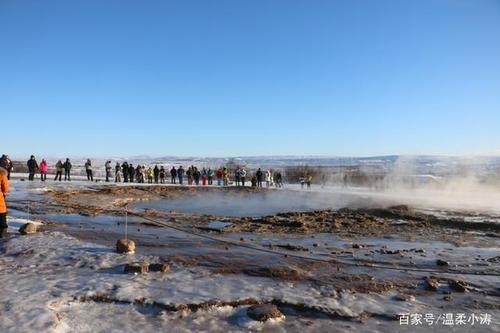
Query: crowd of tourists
128	173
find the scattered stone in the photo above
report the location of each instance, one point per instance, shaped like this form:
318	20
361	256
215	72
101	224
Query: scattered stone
125	246
357	246
431	283
447	298
263	312
440	262
404	298
28	228
137	267
163	268
315	244
459	286
494	259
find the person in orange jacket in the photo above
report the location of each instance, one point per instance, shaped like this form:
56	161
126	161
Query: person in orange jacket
4	187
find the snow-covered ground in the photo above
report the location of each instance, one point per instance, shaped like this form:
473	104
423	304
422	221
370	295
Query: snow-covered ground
53	282
48	277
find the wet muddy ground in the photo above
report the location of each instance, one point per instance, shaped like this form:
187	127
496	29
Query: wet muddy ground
366	261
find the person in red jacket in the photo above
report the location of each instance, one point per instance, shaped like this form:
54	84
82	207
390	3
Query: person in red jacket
218	175
4	188
43	170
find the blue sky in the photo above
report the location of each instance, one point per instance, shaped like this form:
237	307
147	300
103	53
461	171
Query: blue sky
233	78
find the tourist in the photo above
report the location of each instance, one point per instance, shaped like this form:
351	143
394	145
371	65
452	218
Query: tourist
259	174
219	175
173	175
243	175
156	173
32	167
108	168
88	169
43	170
4	188
67	170
59	170
180	174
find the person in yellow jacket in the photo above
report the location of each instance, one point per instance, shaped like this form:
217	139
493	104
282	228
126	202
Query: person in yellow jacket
4	187
225	176
149	174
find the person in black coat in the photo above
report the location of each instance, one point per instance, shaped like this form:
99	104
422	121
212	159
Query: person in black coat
32	167
125	172
156	173
259	174
180	174
173	175
131	173
67	170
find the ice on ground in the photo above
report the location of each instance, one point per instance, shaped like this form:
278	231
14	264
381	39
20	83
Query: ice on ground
44	275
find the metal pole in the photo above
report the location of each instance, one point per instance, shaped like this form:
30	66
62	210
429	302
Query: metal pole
126	221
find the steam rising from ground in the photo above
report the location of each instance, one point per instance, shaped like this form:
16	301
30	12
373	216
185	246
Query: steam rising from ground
468	184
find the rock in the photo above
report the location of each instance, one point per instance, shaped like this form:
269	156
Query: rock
28	228
315	244
404	298
440	262
263	312
457	285
357	246
136	267
164	268
431	283
447	298
494	259
125	246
